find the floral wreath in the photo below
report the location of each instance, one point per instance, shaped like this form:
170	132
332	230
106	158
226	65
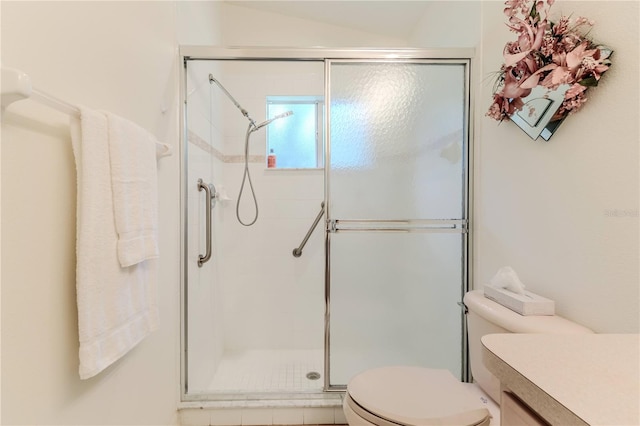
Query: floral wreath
546	54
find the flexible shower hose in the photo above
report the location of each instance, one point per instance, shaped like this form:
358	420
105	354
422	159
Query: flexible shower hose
247	176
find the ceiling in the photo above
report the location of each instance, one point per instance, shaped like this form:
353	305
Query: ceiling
388	18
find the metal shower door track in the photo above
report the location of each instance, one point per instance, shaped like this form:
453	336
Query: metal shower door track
318	53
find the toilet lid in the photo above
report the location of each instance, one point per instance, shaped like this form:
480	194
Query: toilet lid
416	396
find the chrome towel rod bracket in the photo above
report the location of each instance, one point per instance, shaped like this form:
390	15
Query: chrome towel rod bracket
16	86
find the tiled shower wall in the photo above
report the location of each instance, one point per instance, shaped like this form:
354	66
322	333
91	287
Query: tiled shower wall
272	299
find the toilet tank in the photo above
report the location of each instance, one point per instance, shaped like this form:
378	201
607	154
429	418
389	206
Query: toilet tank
487	317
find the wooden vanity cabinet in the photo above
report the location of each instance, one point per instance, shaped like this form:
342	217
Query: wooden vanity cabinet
514	412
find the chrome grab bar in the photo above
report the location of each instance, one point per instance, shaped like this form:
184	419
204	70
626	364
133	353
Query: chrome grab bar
297	252
207	190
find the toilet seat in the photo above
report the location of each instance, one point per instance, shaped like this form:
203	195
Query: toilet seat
412	396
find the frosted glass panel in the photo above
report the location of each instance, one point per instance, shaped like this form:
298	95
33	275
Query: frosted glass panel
397	133
397	148
394	302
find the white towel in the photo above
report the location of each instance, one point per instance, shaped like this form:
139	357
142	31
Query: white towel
134	178
117	306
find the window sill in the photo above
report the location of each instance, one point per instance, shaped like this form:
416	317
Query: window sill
278	169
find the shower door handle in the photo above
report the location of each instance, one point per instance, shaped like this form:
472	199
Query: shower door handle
208	197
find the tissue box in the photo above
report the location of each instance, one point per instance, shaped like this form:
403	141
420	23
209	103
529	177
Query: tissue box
524	304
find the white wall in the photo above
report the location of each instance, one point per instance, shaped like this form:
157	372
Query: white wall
243	26
448	24
0	256
114	56
564	213
199	22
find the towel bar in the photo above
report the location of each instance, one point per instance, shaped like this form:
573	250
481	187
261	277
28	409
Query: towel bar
16	86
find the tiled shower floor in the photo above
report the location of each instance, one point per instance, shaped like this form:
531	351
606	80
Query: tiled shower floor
269	371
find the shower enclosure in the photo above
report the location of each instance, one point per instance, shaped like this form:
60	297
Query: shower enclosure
381	279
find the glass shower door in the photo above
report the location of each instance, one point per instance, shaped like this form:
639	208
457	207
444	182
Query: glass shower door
396	196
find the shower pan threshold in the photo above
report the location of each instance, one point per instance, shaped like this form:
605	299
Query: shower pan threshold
266	400
310	409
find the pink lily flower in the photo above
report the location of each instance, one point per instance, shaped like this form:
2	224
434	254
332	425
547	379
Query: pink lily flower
512	88
575	57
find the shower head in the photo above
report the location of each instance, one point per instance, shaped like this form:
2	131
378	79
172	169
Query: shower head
226	92
267	122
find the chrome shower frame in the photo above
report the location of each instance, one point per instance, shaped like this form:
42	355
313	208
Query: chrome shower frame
466	56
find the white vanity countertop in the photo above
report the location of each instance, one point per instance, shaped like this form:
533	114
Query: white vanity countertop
591	379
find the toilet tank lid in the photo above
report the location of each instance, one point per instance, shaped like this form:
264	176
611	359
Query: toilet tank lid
515	323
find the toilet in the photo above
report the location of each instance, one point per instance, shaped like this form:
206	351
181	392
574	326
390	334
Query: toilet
417	396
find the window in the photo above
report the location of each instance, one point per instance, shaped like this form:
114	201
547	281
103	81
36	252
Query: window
297	140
